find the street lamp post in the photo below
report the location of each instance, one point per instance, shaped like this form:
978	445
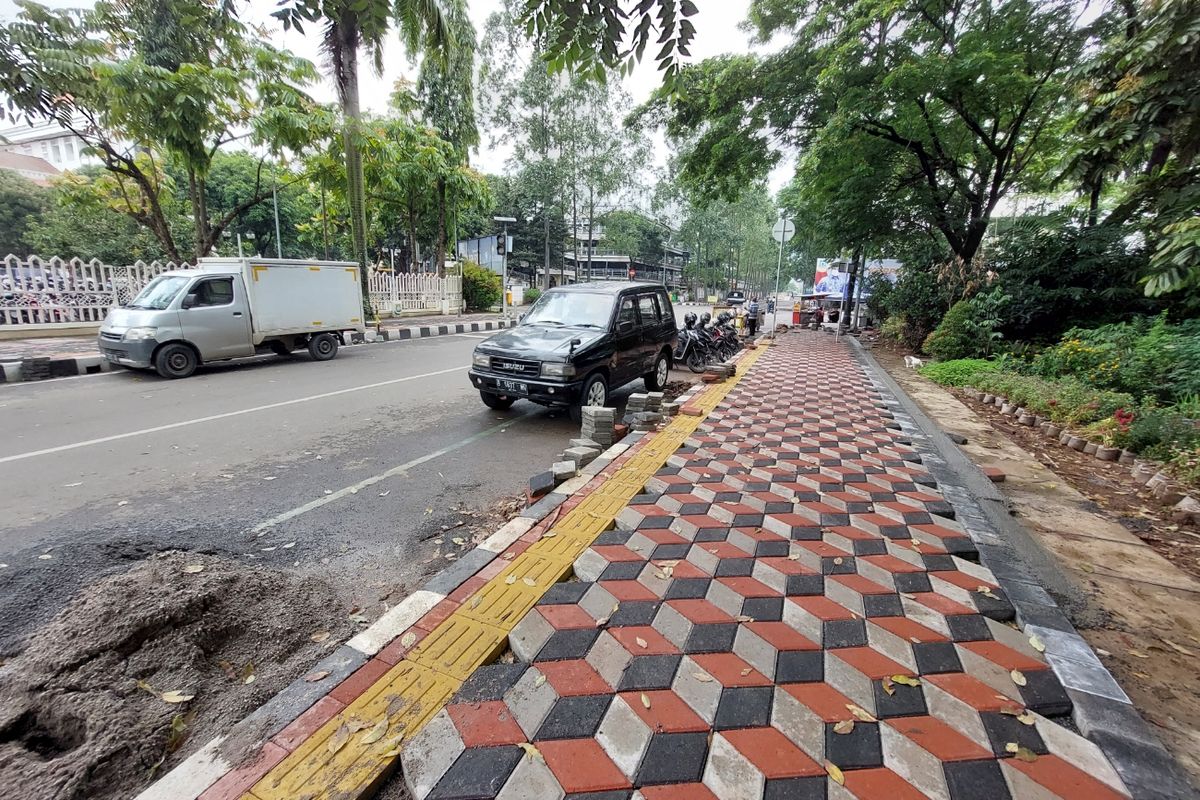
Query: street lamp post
504	266
783	231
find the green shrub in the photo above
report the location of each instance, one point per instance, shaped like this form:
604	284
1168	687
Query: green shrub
917	298
893	328
1067	401
959	372
481	287
953	336
1160	433
532	294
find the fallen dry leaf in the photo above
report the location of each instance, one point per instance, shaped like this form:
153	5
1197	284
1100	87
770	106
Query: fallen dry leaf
703	677
747	671
861	713
1018	677
510	580
888	687
376	733
1178	648
539	680
641	642
339	738
905	680
832	770
319	636
175	696
313	677
1026	718
531	751
645	700
986	591
529	581
408	639
845	726
1138	654
1037	644
192	569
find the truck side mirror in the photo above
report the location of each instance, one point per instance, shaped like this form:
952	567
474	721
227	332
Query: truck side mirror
189	301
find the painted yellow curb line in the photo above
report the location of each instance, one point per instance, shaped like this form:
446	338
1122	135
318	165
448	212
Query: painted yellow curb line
349	756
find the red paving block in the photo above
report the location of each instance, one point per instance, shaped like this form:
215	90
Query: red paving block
655	643
362	679
581	765
397	649
994	474
668	713
566	617
304	725
772	752
468	588
1063	779
880	784
938	738
681	791
730	671
485	724
1004	655
575	677
234	784
437	615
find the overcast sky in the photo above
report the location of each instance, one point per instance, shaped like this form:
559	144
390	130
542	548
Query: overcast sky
716	23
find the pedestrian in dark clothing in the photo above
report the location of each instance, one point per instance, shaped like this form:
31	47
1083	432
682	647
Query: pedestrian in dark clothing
752	316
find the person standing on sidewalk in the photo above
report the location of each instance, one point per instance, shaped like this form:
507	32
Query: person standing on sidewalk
752	316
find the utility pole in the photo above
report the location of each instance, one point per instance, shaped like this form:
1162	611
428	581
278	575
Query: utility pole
503	247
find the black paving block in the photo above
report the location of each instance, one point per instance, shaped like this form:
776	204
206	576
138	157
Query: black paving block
565	593
772	548
935	657
904	701
670	552
541	484
490	682
844	633
883	605
975	780
1044	693
936	562
479	772
636	612
968	628
564	645
649	672
574	717
615	536
711	638
912	582
861	748
734	568
711	535
1004	728
763	609
799	666
837	565
744	707
688	589
673	758
997	607
810	788
870	547
622	571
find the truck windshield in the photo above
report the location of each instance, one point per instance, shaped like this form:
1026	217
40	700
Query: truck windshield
571	309
159	292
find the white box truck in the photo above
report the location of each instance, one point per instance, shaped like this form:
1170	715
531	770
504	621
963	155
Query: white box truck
234	307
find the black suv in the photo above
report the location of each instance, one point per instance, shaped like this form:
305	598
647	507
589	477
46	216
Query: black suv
735	298
576	344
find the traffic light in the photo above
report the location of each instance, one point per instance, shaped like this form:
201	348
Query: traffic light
501	243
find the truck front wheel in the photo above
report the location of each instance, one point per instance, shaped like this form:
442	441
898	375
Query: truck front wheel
175	360
323	346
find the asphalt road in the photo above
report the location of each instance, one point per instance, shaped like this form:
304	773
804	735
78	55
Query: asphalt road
358	461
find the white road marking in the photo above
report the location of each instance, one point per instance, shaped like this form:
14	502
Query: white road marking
470	336
15	384
226	415
354	488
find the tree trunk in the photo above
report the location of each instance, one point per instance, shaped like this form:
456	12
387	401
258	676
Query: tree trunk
591	220
439	250
352	116
201	246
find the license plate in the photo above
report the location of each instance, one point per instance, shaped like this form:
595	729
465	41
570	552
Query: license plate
513	386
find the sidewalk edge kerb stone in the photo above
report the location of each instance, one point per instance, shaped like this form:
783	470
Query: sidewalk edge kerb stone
1101	709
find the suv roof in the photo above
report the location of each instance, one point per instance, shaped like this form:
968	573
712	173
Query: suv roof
607	287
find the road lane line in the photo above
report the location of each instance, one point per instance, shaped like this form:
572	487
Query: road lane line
226	415
470	336
354	488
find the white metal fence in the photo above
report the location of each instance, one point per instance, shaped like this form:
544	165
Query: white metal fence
40	293
414	292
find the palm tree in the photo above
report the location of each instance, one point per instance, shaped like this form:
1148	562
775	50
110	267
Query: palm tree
349	25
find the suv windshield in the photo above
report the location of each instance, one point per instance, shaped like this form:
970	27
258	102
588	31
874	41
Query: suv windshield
159	292
576	309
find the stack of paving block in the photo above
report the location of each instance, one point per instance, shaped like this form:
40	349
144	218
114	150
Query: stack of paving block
670	409
637	403
581	451
598	424
643	420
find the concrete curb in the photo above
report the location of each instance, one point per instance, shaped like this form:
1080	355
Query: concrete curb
46	368
1100	708
233	760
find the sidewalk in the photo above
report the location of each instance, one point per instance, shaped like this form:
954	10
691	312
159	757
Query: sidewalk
770	598
79	355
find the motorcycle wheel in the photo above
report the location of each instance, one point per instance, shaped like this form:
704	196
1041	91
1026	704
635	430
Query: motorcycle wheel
695	361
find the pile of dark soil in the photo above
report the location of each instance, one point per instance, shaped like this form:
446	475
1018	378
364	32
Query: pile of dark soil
142	668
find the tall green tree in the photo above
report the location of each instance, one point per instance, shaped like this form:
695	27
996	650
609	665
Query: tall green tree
22	202
962	95
348	26
446	87
174	78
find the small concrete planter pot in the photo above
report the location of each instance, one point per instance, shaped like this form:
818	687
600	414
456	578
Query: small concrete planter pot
1065	438
1077	443
999	401
1167	493
1026	420
988	398
1127	457
1007	409
1108	453
1090	448
1053	431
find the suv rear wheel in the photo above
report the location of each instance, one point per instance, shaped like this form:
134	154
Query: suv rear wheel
656	378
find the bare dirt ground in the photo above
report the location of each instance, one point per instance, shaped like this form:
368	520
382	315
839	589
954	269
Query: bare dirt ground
143	667
1136	571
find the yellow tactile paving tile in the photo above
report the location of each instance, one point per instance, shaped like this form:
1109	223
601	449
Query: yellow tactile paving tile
414	690
459	645
346	755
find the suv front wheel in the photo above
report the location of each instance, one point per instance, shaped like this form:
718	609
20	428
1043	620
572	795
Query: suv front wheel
496	401
594	393
656	378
